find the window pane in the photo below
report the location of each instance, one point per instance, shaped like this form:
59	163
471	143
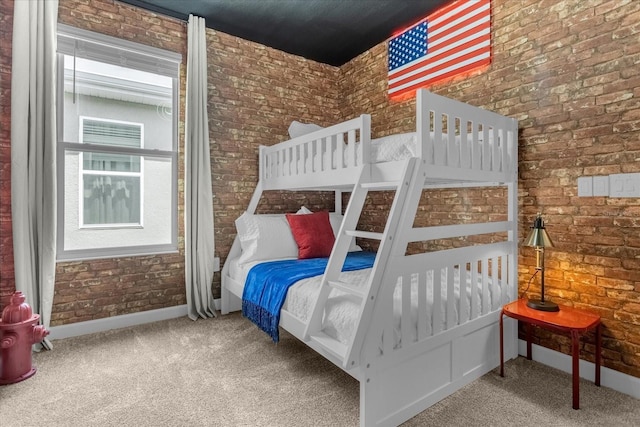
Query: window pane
112	210
111	200
101	101
110	162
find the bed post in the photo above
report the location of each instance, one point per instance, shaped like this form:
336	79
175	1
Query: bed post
422	122
257	193
512	188
255	199
229	302
512	141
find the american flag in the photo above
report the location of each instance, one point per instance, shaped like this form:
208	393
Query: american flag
454	39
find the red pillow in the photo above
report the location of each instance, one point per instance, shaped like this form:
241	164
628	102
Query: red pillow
313	234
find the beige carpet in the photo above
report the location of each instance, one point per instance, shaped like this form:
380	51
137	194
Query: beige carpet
225	372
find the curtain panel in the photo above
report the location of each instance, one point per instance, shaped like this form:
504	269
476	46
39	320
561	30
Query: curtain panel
33	153
199	240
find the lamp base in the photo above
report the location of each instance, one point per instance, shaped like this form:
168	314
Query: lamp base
536	304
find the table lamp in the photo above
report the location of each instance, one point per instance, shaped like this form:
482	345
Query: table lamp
539	239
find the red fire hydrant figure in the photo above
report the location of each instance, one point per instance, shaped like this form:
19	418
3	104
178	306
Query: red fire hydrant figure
18	332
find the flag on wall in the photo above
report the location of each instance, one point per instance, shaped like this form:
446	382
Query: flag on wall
452	40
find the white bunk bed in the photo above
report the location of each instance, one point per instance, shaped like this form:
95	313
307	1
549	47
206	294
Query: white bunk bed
410	346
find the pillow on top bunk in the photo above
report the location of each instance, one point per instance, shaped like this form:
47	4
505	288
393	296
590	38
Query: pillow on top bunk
265	237
313	234
393	147
297	129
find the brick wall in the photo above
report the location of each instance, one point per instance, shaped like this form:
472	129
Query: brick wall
568	71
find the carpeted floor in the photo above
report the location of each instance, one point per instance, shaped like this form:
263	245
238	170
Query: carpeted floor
225	372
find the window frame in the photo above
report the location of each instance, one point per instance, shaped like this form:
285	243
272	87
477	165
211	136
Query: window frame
99	47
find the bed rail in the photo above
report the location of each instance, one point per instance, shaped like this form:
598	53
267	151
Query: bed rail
459	286
330	157
462	143
458	142
447	332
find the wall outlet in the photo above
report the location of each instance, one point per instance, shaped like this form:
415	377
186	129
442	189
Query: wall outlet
216	264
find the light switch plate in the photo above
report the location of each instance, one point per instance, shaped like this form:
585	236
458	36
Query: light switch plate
624	185
585	186
601	185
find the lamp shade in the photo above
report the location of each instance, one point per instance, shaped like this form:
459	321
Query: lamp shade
538	236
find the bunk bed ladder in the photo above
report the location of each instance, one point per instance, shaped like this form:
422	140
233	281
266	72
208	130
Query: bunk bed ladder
364	295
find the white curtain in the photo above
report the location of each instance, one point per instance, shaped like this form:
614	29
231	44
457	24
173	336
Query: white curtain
33	153
199	243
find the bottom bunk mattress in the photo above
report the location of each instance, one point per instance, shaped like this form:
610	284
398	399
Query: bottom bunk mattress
342	310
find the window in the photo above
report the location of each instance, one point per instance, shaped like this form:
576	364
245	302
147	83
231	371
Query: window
117	147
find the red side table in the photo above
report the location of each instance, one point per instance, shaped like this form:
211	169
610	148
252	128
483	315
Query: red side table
568	320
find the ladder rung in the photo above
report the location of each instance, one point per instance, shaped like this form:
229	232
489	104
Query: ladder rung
382	185
364	234
347	288
332	345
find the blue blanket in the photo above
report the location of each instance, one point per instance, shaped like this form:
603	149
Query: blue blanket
267	283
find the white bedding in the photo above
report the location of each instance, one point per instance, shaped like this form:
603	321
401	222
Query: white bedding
386	149
341	309
397	147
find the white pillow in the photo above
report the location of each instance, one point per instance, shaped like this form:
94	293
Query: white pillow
336	221
393	147
297	129
265	237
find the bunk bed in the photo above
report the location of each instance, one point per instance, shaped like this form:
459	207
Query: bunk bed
421	325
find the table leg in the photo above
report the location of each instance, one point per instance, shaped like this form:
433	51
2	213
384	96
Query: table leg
598	350
527	328
575	340
501	347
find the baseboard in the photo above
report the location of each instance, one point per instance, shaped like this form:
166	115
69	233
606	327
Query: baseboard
608	377
116	322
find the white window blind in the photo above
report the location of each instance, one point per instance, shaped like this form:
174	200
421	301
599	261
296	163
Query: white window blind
109	133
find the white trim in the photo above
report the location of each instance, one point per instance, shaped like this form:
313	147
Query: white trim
100	47
136	57
117	322
608	377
